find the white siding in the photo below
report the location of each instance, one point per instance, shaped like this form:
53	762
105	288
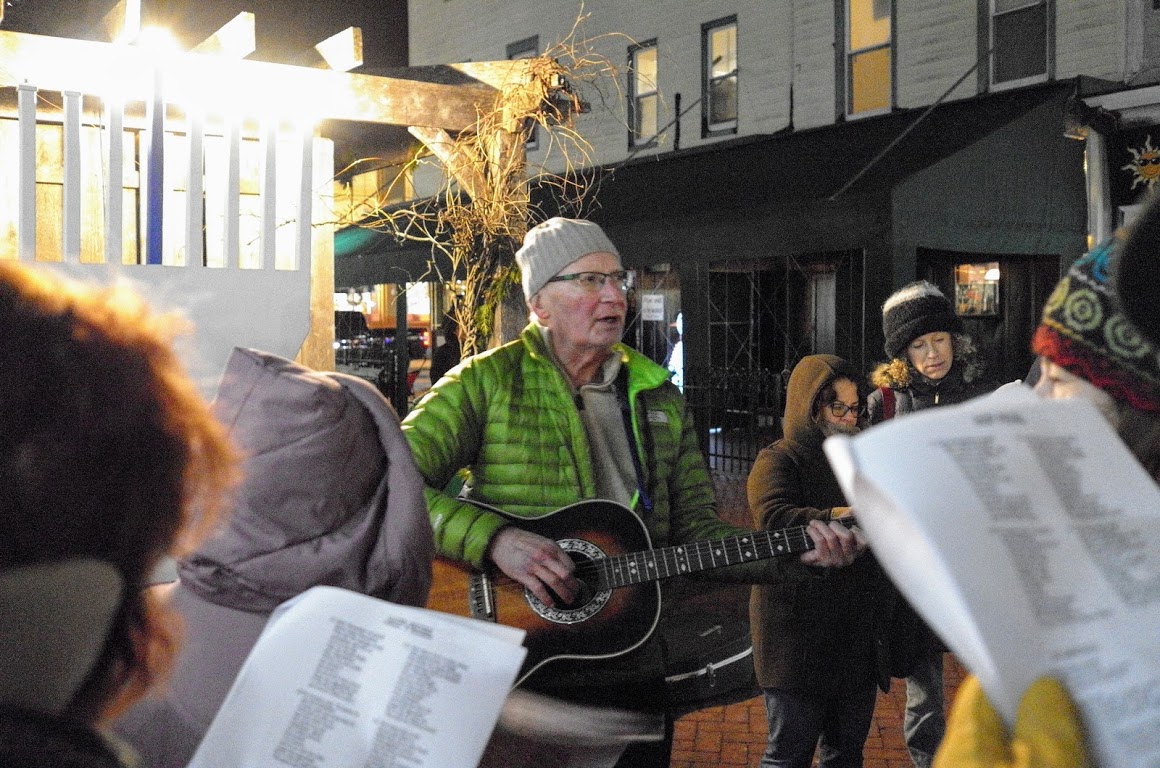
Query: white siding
1091	38
446	31
813	63
780	42
765	53
936	41
1147	35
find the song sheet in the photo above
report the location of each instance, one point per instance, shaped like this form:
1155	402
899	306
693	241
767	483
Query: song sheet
342	679
1024	532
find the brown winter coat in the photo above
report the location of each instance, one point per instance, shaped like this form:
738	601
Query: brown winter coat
815	629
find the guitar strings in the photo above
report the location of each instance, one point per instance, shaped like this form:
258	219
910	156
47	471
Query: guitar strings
692	555
617	570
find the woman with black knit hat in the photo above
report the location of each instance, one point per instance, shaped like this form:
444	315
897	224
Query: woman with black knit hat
932	362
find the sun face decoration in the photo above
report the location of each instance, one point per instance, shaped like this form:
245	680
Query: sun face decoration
1145	165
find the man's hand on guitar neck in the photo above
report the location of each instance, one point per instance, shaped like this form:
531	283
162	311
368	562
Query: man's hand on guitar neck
835	545
536	562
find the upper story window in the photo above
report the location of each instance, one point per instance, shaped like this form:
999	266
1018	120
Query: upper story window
643	99
719	78
1019	41
526	49
869	55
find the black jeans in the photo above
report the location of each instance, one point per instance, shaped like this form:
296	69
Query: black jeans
800	720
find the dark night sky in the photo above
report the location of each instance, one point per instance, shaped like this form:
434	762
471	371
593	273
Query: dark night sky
286	29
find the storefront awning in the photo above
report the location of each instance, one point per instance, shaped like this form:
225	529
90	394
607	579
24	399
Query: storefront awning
369	253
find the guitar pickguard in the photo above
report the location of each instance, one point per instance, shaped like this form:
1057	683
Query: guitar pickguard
592	602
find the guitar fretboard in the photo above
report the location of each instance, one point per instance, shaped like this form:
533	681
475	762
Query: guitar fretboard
640	567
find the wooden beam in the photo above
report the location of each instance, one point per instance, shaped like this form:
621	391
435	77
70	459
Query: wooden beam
342	51
123	21
465	169
236	38
498	74
257	86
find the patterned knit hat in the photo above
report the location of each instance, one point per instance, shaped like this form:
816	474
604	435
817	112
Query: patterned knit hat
554	244
1084	330
913	310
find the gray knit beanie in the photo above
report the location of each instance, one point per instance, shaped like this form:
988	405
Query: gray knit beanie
914	310
552	245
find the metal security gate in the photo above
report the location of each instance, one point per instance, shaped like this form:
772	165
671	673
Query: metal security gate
763	317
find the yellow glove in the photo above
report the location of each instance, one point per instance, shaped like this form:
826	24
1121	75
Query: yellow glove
1047	731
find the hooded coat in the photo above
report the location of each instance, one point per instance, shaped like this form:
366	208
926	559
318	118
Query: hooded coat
816	629
331	496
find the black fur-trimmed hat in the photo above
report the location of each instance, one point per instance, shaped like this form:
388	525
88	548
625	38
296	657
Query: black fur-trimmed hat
914	310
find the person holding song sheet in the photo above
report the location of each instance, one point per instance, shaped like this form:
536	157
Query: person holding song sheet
563	414
1089	348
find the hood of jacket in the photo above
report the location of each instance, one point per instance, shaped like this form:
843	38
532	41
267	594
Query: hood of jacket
331	494
809	377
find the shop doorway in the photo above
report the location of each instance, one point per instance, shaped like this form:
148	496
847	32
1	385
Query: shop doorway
1000	314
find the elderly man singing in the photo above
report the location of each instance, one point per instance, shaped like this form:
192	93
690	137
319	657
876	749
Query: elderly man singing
563	414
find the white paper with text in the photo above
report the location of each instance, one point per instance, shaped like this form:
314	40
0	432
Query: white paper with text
1025	533
342	679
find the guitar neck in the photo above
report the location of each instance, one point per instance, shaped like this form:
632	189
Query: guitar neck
666	562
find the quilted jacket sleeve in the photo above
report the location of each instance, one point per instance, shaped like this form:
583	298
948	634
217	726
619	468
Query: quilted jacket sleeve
445	431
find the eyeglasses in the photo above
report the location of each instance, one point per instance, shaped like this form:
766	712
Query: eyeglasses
592	282
839	410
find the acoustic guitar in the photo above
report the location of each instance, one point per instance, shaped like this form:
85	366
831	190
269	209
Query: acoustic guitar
619	604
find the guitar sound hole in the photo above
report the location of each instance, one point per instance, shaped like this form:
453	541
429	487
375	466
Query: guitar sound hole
591	597
586	592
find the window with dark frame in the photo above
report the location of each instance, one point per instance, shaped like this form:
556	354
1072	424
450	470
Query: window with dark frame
526	49
869	56
1019	41
977	289
719	77
643	98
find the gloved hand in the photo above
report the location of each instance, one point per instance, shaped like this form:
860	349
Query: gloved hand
1047	731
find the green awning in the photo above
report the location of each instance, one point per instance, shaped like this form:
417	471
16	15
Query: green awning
367	253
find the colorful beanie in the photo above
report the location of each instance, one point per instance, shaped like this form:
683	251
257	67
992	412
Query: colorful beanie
914	310
1084	330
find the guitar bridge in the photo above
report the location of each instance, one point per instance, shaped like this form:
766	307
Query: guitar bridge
481	597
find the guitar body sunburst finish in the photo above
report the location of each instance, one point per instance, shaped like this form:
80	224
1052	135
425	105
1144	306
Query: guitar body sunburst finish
603	622
621	601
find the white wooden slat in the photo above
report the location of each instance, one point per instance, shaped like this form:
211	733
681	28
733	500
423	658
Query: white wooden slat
194	191
233	184
153	179
269	195
305	215
114	181
71	224
26	172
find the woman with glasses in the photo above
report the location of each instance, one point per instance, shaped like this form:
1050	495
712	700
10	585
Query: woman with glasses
814	634
932	363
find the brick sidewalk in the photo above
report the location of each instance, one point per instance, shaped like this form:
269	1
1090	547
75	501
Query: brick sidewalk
735	735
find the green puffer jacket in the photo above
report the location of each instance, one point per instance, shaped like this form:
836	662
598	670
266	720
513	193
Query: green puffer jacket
508	416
